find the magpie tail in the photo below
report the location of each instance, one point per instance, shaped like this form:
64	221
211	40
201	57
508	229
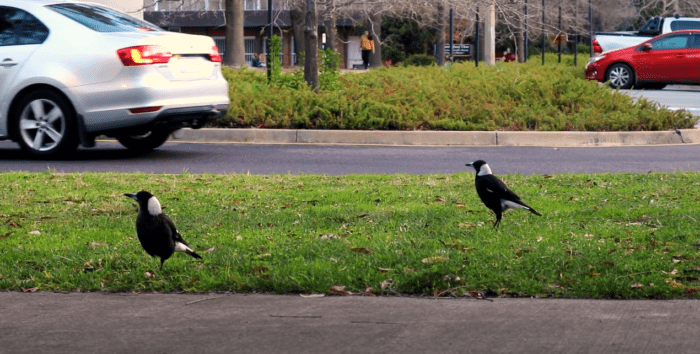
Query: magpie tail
534	212
193	254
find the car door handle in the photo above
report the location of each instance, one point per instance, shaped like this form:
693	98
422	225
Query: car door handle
8	63
680	56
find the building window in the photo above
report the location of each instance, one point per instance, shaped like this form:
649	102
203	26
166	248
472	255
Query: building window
249	47
184	5
256	4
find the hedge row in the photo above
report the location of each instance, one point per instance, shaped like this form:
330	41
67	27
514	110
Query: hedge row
507	96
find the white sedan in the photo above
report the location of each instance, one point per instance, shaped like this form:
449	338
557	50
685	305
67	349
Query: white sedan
70	71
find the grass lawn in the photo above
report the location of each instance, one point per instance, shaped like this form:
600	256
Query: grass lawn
601	236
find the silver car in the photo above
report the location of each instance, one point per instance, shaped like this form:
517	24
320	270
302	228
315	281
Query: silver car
70	71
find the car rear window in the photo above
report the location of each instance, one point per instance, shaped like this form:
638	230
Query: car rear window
102	19
679	25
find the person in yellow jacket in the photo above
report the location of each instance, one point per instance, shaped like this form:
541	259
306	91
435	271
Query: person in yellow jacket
367	46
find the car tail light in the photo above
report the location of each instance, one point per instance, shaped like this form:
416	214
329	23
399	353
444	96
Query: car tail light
215	56
596	47
144	55
144	109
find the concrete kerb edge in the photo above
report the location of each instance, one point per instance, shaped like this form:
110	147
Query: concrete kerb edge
437	138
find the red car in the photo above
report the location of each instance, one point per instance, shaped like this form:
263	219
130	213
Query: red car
672	58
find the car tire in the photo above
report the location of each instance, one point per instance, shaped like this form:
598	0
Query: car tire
145	142
44	124
620	76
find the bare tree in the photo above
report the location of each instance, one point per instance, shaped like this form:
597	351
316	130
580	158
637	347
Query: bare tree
669	7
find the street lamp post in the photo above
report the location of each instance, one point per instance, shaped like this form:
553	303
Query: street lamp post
543	40
477	40
268	60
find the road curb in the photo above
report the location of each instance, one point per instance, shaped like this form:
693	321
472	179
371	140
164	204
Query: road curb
438	138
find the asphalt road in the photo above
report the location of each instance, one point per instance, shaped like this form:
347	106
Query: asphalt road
338	160
672	97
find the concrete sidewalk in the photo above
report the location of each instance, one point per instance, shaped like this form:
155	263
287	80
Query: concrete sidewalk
438	138
217	323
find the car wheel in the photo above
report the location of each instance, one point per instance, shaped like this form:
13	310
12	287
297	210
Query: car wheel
44	124
620	76
144	142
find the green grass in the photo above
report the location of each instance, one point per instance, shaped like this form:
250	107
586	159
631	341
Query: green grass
507	96
601	236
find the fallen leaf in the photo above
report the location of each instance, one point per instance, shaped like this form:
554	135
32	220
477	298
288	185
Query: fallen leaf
385	284
35	232
595	274
635	285
312	295
362	250
148	275
384	270
96	244
674	271
609	264
434	259
210	250
30	290
673	283
339	290
465	224
12	223
260	269
367	292
539	239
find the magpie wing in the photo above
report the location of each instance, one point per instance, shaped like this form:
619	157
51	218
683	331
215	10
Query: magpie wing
496	186
173	230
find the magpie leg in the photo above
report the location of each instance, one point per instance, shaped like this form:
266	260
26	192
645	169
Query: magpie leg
498	220
162	260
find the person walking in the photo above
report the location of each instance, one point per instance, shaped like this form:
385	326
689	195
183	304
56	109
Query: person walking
367	46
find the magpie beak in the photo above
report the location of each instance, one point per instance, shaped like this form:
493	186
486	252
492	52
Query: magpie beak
494	193
156	231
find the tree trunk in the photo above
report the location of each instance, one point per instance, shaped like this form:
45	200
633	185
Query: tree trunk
297	16
440	35
376	57
490	34
520	40
311	45
331	27
235	45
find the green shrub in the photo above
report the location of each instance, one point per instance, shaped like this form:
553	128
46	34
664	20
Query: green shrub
584	49
507	96
419	60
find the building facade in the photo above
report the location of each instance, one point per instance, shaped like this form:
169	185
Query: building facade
132	7
207	17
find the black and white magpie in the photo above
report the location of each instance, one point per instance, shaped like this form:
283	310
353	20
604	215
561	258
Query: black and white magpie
494	193
156	231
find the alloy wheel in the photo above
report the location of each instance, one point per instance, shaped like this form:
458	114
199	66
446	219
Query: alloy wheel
619	76
42	124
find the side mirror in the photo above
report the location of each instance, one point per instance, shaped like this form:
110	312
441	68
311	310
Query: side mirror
646	46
